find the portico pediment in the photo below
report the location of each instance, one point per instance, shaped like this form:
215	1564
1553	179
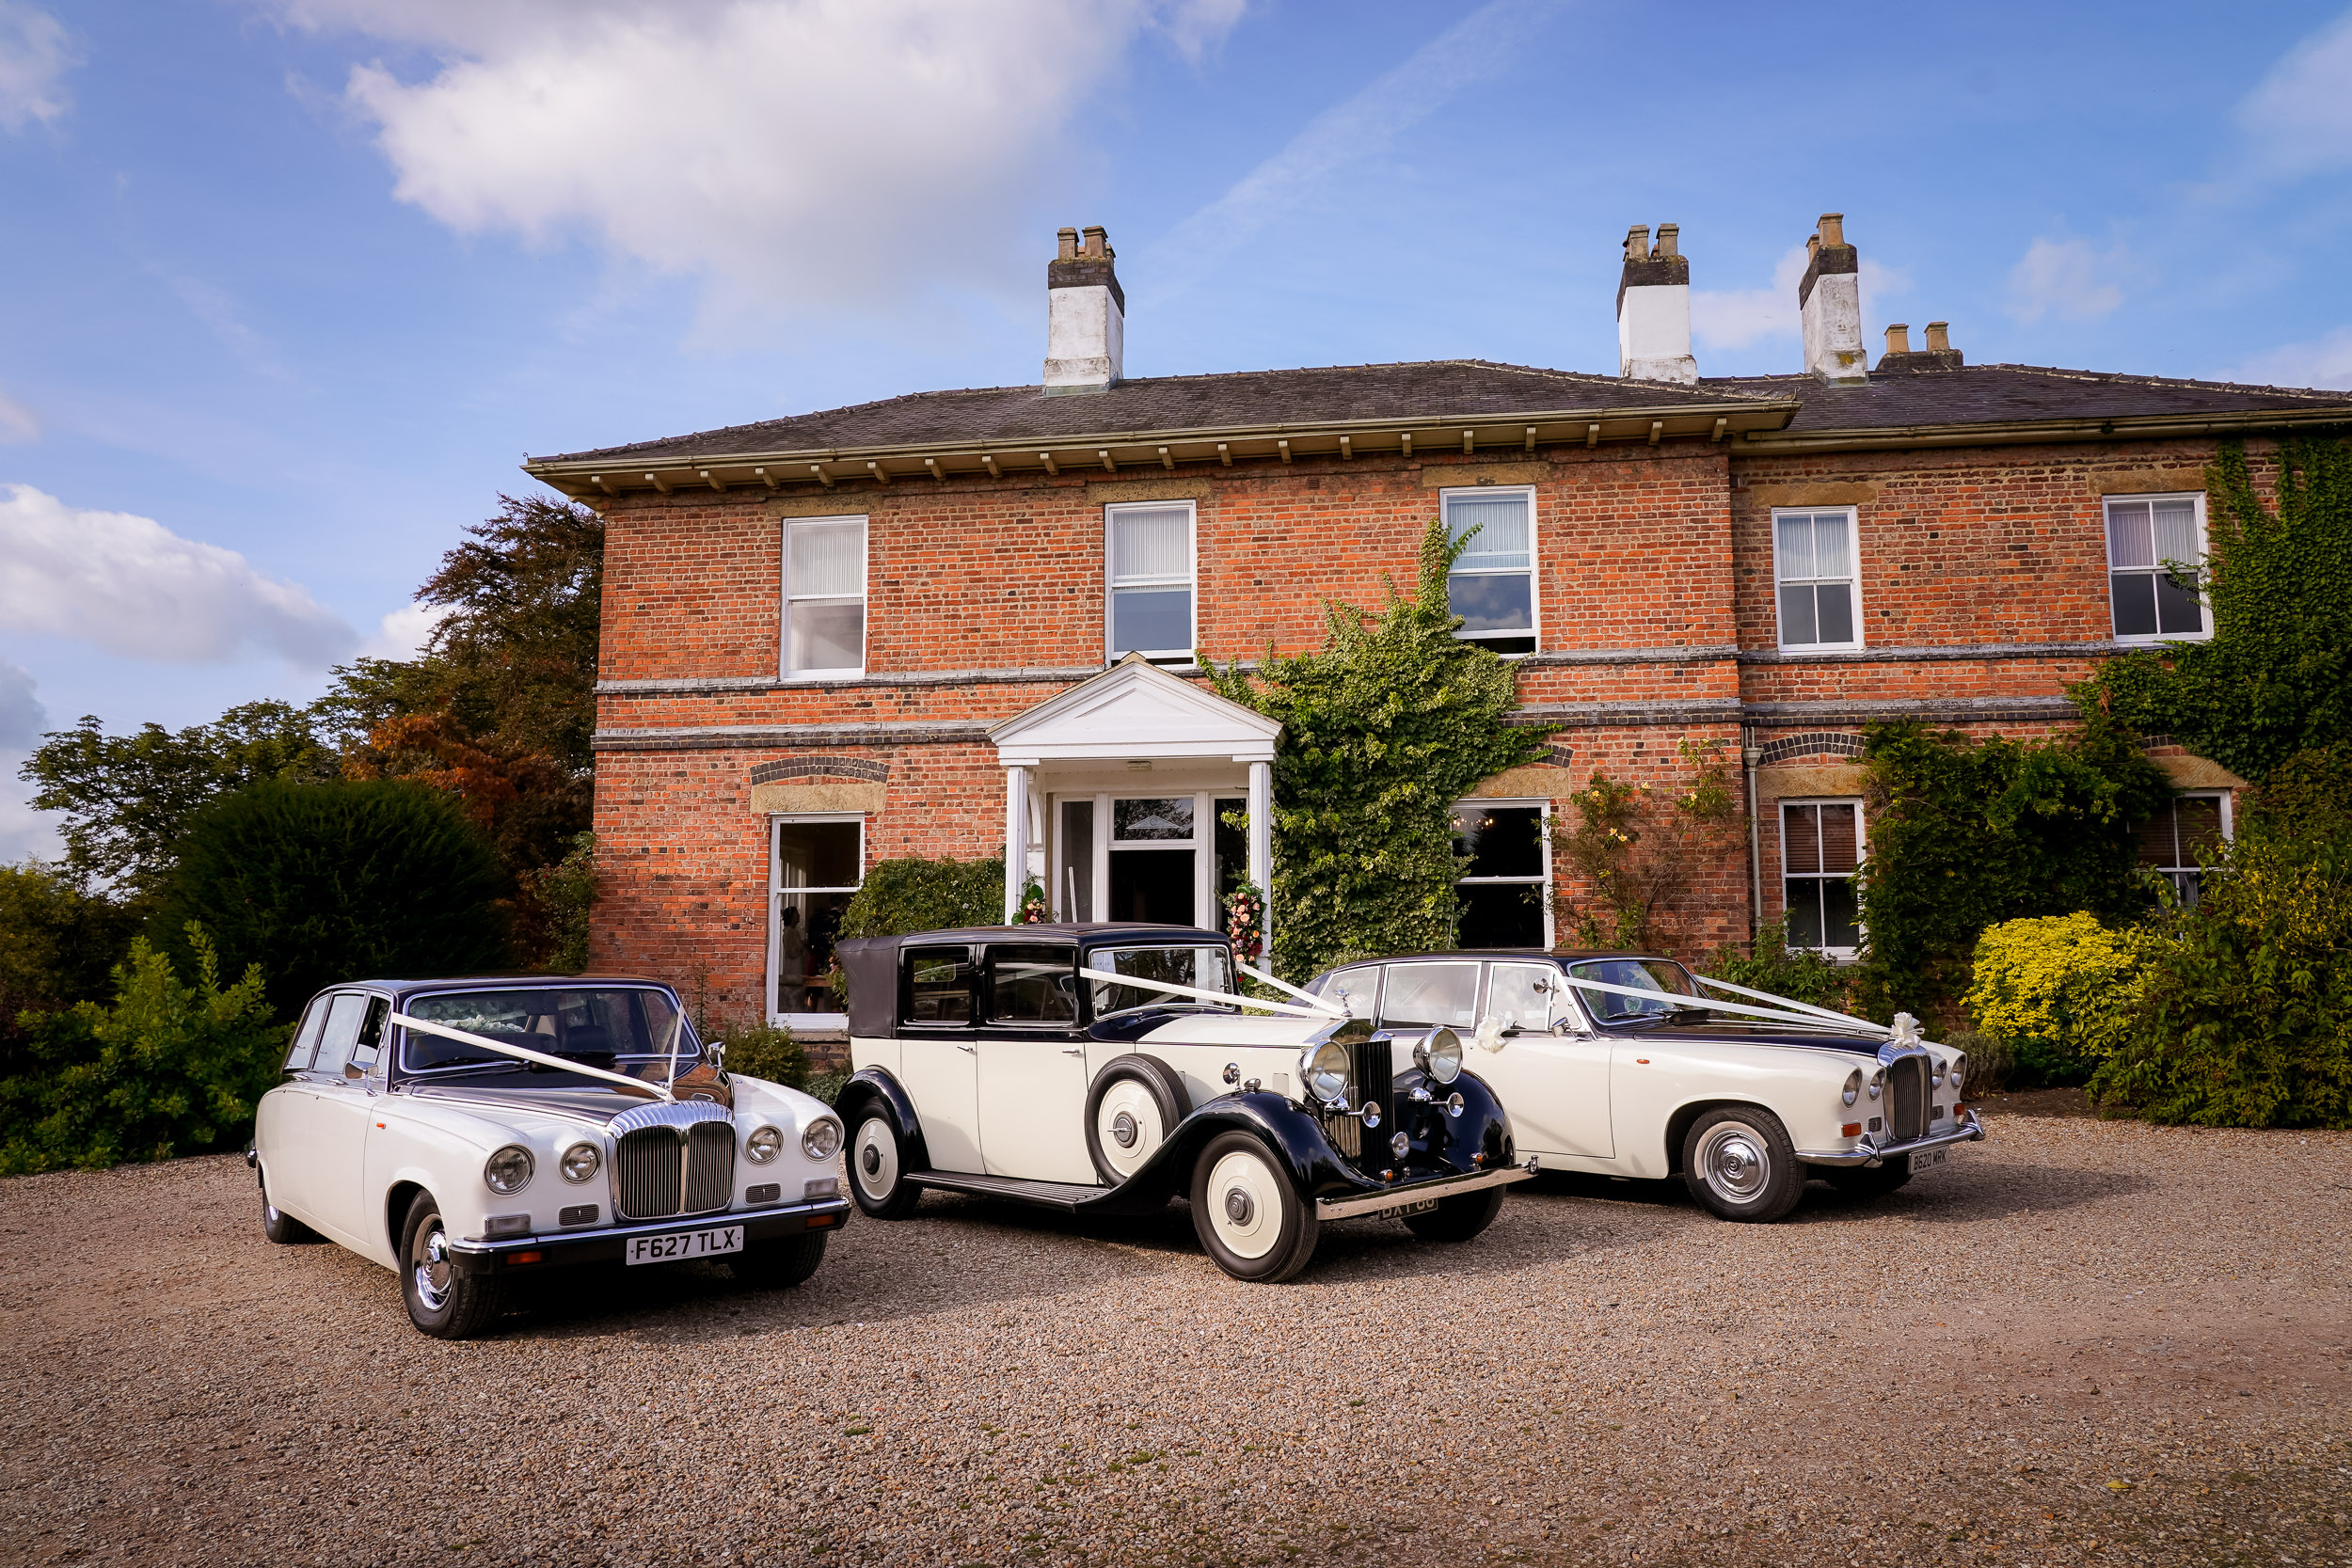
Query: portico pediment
1135	711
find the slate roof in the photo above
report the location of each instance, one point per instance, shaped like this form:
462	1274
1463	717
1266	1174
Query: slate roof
1434	391
2005	394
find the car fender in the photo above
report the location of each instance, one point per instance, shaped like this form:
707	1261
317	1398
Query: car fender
1657	1089
874	1089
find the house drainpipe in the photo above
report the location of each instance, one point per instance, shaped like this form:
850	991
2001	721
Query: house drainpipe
1751	753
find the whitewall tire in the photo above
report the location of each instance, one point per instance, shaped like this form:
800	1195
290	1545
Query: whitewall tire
878	1168
1250	1218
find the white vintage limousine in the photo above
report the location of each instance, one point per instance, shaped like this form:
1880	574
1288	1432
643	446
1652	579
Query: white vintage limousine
1622	1064
468	1132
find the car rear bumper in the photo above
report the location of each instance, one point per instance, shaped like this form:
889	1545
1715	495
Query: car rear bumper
1408	1193
607	1244
1969	1132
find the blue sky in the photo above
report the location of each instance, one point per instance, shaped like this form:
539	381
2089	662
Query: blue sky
296	283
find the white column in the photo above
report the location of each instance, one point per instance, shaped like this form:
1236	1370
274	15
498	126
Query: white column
1016	839
1262	843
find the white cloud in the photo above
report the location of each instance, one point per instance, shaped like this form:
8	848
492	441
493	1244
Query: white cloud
2298	118
18	424
21	716
2066	278
1481	45
34	52
799	155
131	586
402	634
2322	362
1741	318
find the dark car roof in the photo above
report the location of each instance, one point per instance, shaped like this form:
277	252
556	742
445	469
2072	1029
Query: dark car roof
508	982
870	964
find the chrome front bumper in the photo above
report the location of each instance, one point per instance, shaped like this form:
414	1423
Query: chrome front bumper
607	1244
1969	1132
1421	1192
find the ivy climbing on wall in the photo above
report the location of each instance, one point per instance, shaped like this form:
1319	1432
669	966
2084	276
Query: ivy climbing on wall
1383	729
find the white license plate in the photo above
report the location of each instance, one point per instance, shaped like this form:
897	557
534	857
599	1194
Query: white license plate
685	1245
1927	1159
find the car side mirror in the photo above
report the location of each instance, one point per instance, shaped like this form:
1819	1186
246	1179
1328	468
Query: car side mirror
353	1073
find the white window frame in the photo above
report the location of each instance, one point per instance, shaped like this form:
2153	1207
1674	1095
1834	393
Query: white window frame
1542	836
2106	547
807	1022
1170	659
865	602
1535	632
1860	855
1853	539
2229	834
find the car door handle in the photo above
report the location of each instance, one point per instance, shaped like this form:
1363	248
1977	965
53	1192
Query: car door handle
961	1046
1073	1050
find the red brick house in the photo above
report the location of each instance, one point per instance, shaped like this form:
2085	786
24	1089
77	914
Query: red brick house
956	621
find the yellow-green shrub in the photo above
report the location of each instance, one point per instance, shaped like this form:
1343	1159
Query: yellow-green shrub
2061	989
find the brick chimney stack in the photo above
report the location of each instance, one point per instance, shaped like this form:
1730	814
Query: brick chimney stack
1829	302
1654	308
1086	314
1938	356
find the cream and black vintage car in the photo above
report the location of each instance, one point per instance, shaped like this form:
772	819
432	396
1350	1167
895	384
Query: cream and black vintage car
469	1132
1102	1070
1621	1064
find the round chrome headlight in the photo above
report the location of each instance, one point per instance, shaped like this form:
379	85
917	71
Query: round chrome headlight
1324	1071
1955	1072
1878	1082
1935	1073
508	1170
821	1139
762	1146
579	1162
1400	1145
1439	1055
1853	1091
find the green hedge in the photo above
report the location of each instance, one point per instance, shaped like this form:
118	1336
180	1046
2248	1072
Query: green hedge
915	894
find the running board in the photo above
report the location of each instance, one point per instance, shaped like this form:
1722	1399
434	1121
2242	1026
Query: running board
1064	1195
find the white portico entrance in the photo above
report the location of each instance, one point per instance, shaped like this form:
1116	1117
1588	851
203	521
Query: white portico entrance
1118	792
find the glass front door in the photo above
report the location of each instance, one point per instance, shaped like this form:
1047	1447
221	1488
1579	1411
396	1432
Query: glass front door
1155	851
1161	858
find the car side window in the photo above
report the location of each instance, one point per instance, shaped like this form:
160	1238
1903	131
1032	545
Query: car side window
1357	990
1430	996
1519	995
938	984
1032	984
306	1037
370	1036
341	1032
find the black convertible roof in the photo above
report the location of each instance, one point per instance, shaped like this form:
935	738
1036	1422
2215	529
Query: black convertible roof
871	963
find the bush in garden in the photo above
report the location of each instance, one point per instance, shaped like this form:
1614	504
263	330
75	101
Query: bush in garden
1990	1064
902	896
2058	990
2243	1016
1801	975
765	1051
170	1069
322	883
566	890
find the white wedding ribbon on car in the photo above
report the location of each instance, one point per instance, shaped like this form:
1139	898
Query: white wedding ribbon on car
522	1052
1229	998
1814	1018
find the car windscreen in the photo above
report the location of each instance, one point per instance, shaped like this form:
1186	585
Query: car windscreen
1670	980
1204	968
625	1027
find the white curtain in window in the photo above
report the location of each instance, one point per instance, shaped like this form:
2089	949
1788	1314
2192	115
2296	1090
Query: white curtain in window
1152	545
2128	544
1832	552
828	559
2176	531
1818	547
1501	521
1796	548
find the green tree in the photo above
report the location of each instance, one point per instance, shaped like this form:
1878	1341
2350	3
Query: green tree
337	881
1383	729
2276	678
170	1069
57	946
127	799
1967	834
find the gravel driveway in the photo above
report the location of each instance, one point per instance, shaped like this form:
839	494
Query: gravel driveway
2079	1341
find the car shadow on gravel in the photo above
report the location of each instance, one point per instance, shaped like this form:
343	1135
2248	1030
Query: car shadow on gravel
1978	1189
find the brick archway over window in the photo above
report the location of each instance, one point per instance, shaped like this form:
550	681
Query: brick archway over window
821	768
1814	743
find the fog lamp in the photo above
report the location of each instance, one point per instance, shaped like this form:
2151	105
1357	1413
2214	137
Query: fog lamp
1400	1145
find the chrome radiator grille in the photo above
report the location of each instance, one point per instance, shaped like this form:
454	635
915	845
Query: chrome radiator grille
672	1160
1371	1075
1907	1097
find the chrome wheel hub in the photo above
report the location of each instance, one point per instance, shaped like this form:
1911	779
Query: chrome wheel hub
1734	1163
1127	1127
1123	1130
433	1267
1240	1206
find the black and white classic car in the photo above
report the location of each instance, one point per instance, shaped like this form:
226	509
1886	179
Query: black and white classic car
1625	1064
469	1132
1103	1068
